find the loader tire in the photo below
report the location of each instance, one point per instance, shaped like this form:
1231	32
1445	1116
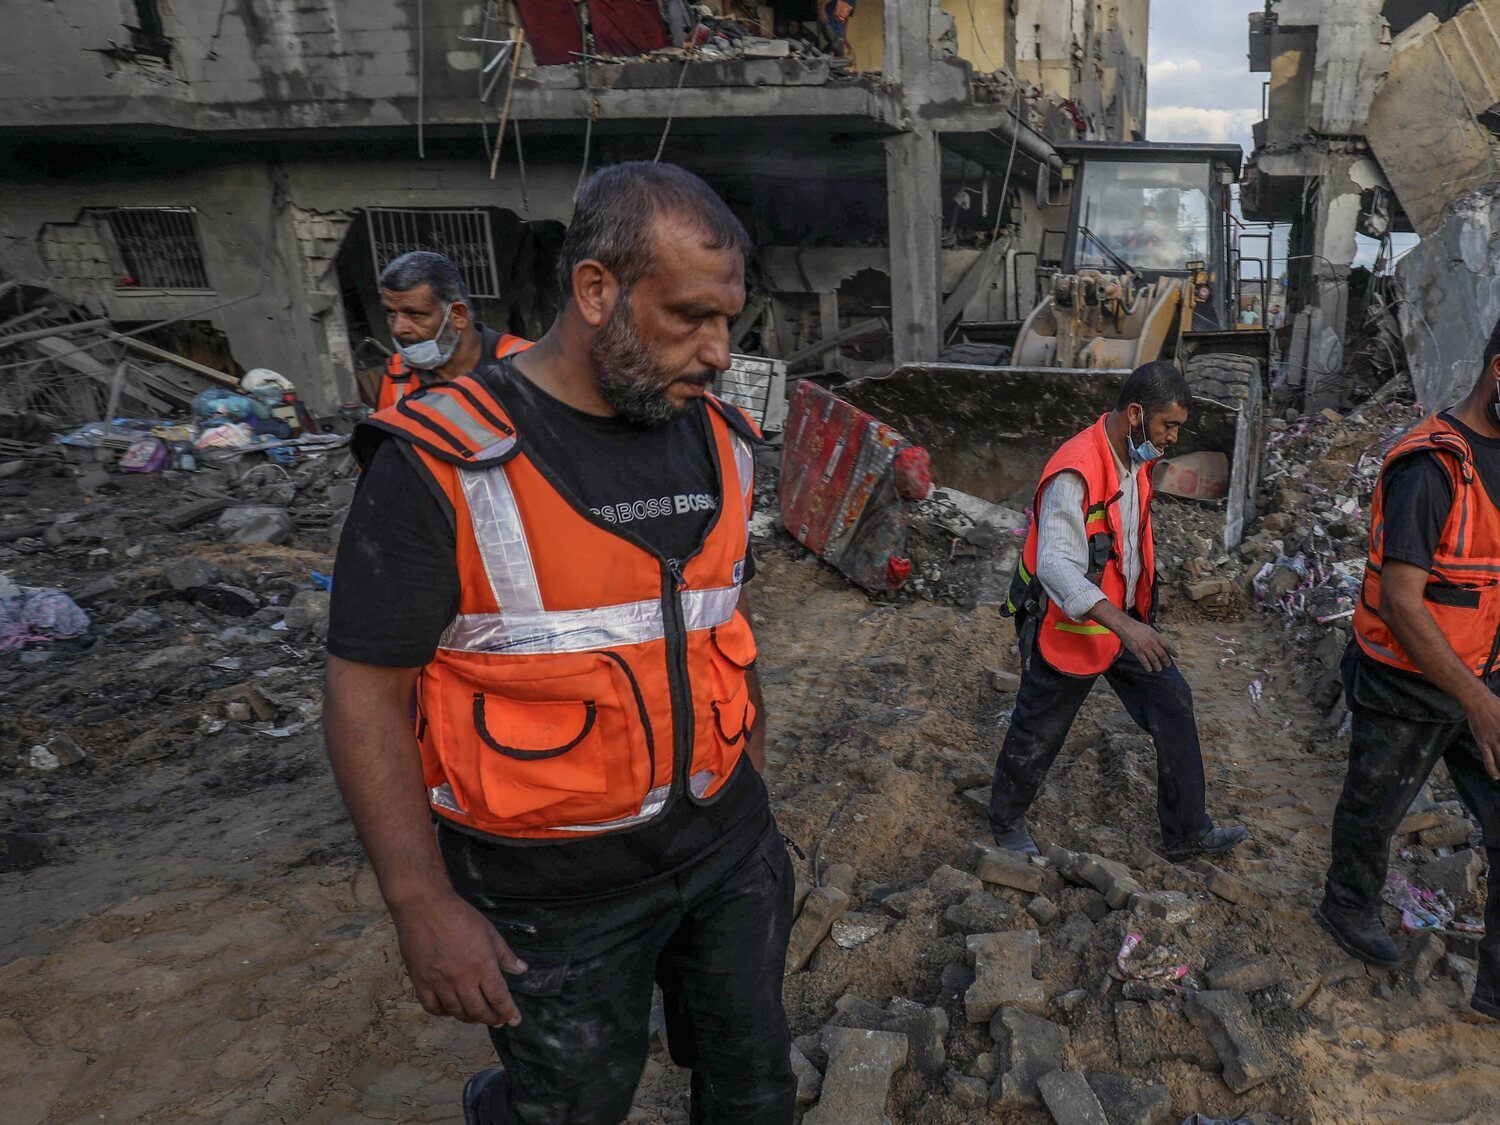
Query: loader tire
1235	381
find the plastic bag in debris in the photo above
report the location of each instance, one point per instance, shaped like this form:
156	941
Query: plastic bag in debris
216	402
149	455
264	382
231	435
37	616
120	433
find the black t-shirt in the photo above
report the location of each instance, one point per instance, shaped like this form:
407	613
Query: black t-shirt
1418	498
396	589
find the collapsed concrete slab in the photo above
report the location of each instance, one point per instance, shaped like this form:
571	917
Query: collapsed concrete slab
1452	300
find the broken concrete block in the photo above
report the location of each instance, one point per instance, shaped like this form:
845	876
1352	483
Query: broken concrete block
1448	834
1004	681
1462	970
1003	974
1230	1024
976	799
1457	875
948	885
1130	1101
189	573
985	1067
1029	1047
824	906
1065	863
1111	879
1426	952
850	1010
980	913
1250	975
1172	907
1154	1032
1209	588
965	1092
1229	888
1096	907
1006	868
1071	999
800	890
1420	819
811	1046
842	876
970	775
308	609
1070	1100
910	903
858	1078
809	1080
1043	909
926	1031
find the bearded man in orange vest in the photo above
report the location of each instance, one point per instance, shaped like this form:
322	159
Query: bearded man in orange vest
432	325
568	530
1421	672
1084	598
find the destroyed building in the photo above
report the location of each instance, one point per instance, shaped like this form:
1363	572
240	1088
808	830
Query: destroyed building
242	169
1378	116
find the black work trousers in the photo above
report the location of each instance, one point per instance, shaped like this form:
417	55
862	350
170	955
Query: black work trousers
1161	703
1390	759
713	936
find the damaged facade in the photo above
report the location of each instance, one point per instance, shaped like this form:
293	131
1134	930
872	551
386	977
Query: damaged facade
1379	115
243	169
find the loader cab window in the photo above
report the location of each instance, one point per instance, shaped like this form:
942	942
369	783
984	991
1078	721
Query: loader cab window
1150	216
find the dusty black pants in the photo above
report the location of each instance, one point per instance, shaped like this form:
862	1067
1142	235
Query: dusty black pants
1161	703
1390	759
713	937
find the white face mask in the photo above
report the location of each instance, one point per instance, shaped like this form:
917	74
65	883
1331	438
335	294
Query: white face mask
429	355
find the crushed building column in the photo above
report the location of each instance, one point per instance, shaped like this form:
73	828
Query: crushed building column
914	209
1328	249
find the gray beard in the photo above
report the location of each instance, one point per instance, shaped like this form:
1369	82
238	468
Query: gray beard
630	379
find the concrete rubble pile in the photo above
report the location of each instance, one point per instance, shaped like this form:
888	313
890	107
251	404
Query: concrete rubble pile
186	611
1044	953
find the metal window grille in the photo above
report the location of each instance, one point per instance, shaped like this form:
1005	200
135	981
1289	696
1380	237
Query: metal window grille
158	247
758	385
463	237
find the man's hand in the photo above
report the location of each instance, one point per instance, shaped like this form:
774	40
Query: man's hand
1147	645
1484	721
454	957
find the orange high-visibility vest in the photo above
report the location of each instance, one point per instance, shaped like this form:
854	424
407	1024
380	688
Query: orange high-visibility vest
585	682
1086	648
401	380
1463	587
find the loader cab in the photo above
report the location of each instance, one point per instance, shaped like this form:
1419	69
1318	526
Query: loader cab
1155	210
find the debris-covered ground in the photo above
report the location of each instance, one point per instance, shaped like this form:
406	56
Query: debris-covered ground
190	932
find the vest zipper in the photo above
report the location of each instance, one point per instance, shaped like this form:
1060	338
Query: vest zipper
683	732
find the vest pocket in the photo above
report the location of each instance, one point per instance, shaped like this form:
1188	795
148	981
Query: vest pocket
536	727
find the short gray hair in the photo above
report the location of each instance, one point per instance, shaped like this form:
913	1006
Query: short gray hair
423	267
612	219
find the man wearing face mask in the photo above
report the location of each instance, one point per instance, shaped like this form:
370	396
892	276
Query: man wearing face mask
569	531
1423	669
434	332
1084	599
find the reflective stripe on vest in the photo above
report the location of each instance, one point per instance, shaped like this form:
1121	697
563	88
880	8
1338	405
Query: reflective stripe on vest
584	676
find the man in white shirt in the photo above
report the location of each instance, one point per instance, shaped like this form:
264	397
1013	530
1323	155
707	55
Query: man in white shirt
1084	599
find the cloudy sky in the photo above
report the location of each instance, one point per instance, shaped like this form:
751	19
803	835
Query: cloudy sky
1199	84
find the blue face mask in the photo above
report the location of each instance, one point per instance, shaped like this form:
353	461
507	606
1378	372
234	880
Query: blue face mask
1146	451
429	355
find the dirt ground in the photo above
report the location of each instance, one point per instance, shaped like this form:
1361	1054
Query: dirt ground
202	941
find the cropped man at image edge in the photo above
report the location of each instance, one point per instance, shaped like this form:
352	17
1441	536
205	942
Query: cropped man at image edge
569	530
1084	600
1421	672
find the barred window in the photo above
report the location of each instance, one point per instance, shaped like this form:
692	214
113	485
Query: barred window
158	247
461	236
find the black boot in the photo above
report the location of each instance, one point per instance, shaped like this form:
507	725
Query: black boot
480	1092
1216	841
1015	838
1360	934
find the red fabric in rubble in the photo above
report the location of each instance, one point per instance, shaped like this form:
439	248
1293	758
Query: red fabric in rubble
552	30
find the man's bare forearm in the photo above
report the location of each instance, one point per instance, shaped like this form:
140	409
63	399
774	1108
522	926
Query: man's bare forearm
1430	651
1111	616
367	726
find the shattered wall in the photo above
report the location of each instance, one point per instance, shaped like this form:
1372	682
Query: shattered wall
1450	286
1424	123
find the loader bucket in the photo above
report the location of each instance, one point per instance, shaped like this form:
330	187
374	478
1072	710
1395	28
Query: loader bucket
991	430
